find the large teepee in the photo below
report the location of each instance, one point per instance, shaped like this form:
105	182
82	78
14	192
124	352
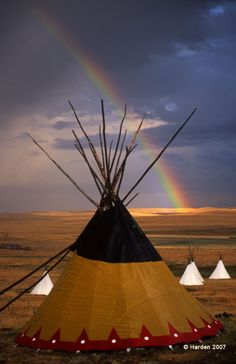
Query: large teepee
44	287
220	271
116	291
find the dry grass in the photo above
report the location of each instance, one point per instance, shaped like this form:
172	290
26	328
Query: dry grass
49	232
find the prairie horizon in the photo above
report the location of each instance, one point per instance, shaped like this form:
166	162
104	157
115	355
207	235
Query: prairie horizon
148	211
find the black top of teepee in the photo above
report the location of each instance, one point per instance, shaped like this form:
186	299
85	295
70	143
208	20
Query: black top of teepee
114	236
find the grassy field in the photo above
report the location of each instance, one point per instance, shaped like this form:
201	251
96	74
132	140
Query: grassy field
46	233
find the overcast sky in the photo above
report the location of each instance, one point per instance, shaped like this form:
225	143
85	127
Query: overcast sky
162	58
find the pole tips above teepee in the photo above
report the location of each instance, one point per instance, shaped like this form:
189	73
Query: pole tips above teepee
110	160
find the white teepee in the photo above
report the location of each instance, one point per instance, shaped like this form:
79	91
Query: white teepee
44	286
220	272
189	277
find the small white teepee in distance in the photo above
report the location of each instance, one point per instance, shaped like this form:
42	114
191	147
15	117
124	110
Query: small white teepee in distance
191	275
220	271
44	286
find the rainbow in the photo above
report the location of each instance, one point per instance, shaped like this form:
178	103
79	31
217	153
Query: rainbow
172	195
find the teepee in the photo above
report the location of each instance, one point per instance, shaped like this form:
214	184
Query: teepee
220	271
44	287
116	291
191	275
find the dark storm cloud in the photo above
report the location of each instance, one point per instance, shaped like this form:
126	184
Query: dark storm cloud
119	36
197	132
207	176
64	144
32	64
32	72
69	144
63	124
127	32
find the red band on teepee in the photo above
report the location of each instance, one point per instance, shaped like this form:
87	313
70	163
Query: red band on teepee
114	342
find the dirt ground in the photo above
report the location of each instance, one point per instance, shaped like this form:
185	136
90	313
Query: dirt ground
46	233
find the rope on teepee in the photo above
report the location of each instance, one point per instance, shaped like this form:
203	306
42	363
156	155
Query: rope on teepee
34	284
67	249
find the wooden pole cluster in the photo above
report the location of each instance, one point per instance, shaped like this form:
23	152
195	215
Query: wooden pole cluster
191	254
108	166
